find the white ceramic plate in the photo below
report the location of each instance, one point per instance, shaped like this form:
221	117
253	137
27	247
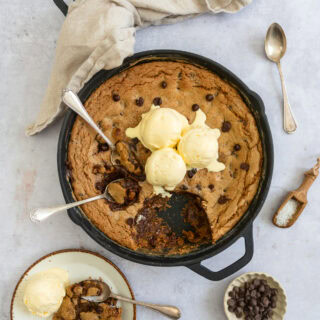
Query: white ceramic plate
81	265
279	311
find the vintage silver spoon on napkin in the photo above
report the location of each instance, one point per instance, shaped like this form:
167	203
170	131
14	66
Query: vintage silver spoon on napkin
275	46
170	311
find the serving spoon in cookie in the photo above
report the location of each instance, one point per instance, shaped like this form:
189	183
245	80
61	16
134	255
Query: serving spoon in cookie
169	311
116	193
121	153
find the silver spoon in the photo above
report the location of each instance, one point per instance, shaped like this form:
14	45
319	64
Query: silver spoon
41	214
170	311
275	46
73	102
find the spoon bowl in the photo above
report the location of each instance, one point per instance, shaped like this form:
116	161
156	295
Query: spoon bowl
275	43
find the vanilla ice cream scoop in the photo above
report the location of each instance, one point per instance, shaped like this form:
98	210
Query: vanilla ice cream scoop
45	291
199	145
165	169
159	128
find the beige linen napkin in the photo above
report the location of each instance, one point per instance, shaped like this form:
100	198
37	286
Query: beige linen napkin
100	34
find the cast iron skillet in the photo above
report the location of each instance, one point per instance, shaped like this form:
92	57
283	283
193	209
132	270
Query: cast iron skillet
244	226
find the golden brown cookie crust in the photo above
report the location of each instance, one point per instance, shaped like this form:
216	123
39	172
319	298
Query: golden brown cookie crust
225	195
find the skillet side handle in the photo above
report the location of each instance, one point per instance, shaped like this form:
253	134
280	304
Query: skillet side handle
62	6
234	267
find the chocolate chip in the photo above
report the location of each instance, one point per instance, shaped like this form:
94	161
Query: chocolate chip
211	186
100	185
99	310
191	173
226	126
96	169
231	302
222	200
184	187
237	147
209	97
230	309
195	107
256	282
102	147
244	166
130	222
265	301
198	186
135	140
163	84
140	102
157	101
115	97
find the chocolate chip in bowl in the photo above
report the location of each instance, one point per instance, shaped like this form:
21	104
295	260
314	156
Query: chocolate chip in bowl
255	296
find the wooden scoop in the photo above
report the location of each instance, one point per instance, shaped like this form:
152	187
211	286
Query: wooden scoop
296	201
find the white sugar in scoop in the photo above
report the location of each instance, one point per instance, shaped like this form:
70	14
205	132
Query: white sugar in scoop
287	212
296	201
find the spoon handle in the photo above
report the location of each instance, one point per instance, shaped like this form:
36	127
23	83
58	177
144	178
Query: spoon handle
289	123
169	311
38	215
73	102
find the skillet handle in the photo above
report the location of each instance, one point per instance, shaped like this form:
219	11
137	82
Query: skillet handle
62	6
234	267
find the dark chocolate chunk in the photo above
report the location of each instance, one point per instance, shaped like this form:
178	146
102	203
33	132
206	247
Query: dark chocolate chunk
226	126
223	200
195	107
140	102
231	303
256	282
237	147
163	84
135	140
100	186
96	168
198	186
115	97
103	147
191	173
157	101
99	309
244	166
209	97
130	222
184	187
211	186
265	301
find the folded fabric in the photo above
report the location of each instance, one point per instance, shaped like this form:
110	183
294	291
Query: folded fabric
100	34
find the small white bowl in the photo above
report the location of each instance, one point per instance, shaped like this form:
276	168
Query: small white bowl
278	312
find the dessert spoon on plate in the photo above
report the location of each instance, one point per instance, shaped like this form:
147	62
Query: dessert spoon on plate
169	311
